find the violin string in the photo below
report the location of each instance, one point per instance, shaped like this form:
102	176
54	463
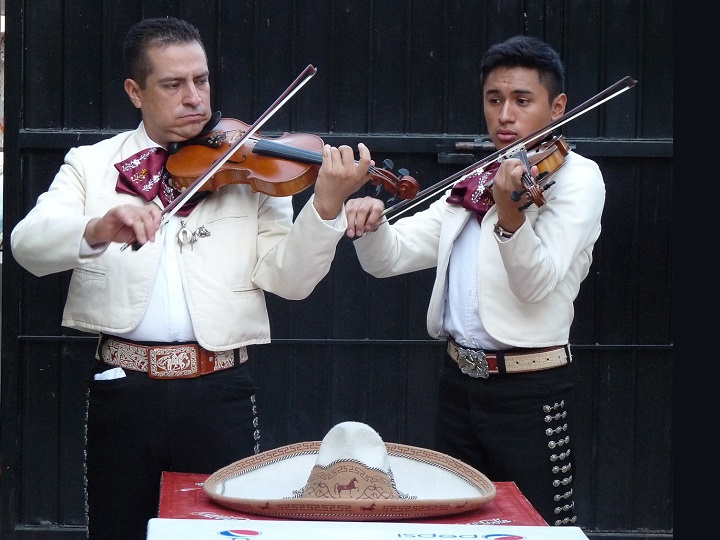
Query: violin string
287	151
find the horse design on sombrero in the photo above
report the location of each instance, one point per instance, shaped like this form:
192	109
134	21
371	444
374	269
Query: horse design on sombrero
339	488
351	475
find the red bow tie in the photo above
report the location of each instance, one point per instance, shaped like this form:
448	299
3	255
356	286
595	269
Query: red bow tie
474	191
144	174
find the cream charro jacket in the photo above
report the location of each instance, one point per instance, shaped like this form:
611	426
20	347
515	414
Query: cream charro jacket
527	285
252	247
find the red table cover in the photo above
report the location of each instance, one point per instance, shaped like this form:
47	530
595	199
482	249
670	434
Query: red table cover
182	497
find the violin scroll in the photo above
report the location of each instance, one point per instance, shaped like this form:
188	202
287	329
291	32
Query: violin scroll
401	185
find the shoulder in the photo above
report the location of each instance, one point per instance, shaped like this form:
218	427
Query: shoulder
577	168
575	161
129	140
577	178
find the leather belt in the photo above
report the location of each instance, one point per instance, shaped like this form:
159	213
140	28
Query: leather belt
167	361
481	364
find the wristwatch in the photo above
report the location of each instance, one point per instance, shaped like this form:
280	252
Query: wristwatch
502	233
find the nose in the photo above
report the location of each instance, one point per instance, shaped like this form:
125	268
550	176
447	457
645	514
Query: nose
506	113
192	95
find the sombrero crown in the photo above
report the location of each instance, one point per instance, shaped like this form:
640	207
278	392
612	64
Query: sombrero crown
352	463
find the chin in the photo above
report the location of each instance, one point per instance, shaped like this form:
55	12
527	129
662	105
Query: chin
189	131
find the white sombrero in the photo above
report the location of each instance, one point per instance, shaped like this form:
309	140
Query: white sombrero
352	475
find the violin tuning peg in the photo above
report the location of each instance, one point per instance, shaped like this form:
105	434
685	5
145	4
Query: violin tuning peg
388	164
378	190
403	172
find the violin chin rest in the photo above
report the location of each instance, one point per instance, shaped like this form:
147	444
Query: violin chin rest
207	128
214	119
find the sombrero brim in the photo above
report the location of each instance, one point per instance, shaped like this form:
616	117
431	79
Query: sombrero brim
263	485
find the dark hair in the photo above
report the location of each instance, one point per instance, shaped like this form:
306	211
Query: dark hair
528	52
148	33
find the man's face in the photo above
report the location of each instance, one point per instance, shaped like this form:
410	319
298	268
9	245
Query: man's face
516	104
175	102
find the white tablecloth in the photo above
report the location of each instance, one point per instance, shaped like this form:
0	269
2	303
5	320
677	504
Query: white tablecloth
210	529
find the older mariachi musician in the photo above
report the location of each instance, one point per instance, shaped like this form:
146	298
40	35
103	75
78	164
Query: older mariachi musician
171	389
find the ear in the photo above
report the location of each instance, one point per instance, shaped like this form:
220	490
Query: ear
558	106
133	91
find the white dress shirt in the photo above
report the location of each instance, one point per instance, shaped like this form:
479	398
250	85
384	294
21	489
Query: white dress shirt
462	314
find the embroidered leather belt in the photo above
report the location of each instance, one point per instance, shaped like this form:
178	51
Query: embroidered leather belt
481	364
167	361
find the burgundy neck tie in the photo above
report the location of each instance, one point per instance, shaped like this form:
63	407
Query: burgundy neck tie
145	174
474	190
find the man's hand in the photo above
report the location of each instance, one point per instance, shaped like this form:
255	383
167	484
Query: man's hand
508	179
339	177
364	215
127	224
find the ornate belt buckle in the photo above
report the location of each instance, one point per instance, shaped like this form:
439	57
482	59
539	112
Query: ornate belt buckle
172	362
473	363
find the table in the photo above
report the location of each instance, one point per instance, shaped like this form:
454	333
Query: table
182	497
187	513
251	529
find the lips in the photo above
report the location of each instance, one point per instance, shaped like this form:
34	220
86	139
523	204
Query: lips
194	118
506	136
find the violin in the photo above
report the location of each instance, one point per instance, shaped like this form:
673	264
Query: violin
279	166
234	153
172	208
548	157
556	147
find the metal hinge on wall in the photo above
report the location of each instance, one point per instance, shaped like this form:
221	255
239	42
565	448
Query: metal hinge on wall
465	152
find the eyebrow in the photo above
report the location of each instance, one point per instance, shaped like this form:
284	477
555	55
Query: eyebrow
169	79
519	92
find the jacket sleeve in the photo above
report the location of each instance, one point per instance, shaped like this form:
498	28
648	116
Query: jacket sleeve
558	238
408	245
48	239
294	257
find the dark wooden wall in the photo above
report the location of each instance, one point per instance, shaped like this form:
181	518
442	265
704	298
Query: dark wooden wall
402	77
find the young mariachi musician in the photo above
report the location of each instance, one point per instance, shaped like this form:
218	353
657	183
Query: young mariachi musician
171	388
507	275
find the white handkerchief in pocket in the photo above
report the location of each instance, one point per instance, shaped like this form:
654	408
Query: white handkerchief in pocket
114	373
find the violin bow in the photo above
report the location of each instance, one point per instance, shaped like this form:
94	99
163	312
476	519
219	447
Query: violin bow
193	188
609	93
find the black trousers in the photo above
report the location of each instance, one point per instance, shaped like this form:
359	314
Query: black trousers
138	427
514	427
